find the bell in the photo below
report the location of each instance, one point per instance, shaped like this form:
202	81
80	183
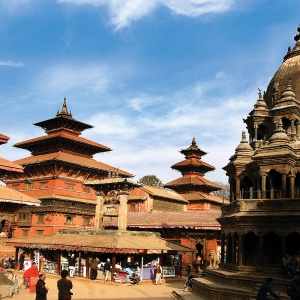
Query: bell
110	211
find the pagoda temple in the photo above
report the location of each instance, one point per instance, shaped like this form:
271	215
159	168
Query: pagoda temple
59	163
261	223
192	185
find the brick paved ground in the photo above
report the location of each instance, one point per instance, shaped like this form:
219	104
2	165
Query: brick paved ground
85	289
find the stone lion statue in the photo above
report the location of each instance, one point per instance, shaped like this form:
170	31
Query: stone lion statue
213	259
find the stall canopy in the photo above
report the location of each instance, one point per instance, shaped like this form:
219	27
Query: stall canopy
102	241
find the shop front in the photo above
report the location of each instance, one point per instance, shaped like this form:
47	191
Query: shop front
128	249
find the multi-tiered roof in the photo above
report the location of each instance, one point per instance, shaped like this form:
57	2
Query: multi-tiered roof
192	185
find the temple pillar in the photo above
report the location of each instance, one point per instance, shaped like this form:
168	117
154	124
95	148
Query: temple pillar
297	127
283	185
113	267
222	248
99	210
283	246
271	187
237	188
292	126
122	219
261	252
258	189
233	249
292	186
255	131
240	250
263	186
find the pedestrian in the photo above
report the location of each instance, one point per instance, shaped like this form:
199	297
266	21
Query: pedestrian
41	289
265	289
72	262
64	286
31	276
189	269
285	262
293	289
158	276
94	268
21	260
107	268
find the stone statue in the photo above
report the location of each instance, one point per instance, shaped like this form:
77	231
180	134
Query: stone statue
213	259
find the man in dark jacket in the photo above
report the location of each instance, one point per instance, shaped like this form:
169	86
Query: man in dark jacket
64	286
293	289
265	289
41	289
107	268
21	260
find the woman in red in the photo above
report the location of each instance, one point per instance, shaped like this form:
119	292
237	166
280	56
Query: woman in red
32	274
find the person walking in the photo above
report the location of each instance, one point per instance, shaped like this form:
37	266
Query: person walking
158	276
31	276
64	286
94	268
41	289
72	262
293	289
265	289
21	260
107	268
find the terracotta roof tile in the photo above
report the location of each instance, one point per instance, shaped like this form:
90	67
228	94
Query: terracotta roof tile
203	196
199	220
10	166
123	243
3	139
192	180
70	158
65	136
163	193
13	196
193	161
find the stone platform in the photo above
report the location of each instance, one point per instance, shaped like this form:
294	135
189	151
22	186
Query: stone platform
226	285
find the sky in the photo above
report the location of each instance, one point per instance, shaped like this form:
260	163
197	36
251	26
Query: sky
148	75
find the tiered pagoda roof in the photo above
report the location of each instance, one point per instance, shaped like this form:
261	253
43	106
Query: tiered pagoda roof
63	144
192	185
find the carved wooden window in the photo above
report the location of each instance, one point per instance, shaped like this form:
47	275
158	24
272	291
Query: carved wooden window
39	232
132	207
69	220
43	184
25	232
40	219
23	217
70	186
16	186
86	221
28	185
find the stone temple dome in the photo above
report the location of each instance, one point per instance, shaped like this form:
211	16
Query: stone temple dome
290	69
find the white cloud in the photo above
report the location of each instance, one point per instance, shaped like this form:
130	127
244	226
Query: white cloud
124	12
10	63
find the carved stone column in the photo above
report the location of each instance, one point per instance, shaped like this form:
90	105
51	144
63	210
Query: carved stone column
240	250
283	185
258	188
99	211
263	185
292	186
222	248
261	252
233	249
122	220
237	188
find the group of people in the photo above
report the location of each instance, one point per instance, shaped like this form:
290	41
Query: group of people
290	265
94	265
293	289
37	284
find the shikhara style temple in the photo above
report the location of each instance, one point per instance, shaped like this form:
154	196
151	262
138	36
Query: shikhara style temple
261	223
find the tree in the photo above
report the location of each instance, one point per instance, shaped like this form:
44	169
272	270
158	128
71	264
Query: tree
224	193
151	180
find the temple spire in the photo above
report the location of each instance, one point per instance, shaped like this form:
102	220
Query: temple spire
64	110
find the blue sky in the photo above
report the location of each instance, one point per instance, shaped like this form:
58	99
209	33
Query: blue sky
148	75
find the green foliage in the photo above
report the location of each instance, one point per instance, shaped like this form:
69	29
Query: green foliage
151	180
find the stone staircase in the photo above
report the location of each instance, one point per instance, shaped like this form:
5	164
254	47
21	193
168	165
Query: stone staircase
229	285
